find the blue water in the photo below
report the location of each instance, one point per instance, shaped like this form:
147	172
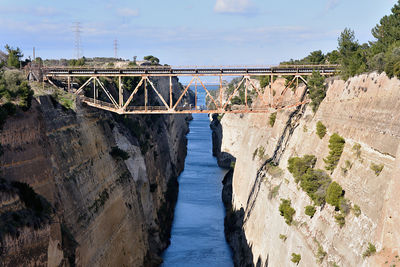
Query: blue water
197	237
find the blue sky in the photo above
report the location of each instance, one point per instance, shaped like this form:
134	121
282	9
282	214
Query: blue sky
190	32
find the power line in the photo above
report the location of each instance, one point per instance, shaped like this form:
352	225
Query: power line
77	31
115	48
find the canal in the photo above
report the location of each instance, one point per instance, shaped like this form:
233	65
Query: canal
197	237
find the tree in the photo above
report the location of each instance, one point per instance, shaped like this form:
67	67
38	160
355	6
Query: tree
316	89
315	57
353	57
333	57
152	59
13	57
387	31
334	194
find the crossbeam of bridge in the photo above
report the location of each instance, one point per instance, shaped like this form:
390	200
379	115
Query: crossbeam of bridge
267	102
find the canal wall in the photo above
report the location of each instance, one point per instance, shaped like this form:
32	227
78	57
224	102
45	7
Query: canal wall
364	111
106	207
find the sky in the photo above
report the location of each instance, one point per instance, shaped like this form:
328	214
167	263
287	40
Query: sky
187	32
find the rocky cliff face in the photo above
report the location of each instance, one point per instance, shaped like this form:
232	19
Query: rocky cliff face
364	111
106	211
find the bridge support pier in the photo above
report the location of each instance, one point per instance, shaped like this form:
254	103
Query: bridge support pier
120	93
69	84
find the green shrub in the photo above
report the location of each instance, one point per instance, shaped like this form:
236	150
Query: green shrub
377	168
14	91
334	194
370	250
66	100
272	119
320	254
321	130
315	183
118	153
296	258
283	237
310	211
340	219
336	145
299	166
287	211
356	210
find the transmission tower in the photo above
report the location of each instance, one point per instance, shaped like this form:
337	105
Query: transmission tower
77	30
115	48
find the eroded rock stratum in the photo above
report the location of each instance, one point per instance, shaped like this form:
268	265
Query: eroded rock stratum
365	112
105	211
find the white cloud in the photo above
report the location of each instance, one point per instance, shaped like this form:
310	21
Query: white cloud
233	6
128	12
332	4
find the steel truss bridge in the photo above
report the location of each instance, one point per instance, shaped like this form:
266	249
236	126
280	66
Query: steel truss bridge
121	103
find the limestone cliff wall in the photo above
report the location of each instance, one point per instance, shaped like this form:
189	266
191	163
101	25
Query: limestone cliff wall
107	211
363	110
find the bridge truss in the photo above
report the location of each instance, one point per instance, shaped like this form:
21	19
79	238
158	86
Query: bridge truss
221	102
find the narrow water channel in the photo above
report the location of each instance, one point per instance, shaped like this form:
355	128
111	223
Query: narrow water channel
197	237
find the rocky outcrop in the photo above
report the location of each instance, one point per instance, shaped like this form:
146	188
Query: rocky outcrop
224	159
364	111
107	211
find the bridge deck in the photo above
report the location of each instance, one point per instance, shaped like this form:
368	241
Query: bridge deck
184	110
194	71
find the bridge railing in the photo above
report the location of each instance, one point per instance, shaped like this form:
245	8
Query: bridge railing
195	67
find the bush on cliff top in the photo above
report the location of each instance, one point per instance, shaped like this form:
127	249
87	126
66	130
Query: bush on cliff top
14	91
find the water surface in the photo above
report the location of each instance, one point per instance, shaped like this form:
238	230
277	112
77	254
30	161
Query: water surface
197	237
